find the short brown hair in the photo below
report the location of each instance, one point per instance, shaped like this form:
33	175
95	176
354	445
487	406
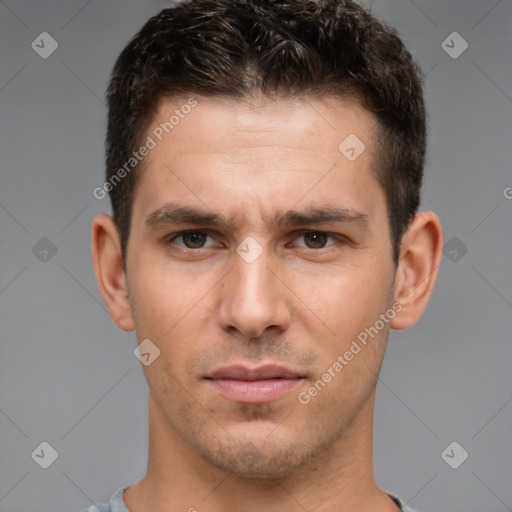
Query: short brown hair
281	48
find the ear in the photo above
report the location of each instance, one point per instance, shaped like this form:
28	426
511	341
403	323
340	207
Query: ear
108	267
419	260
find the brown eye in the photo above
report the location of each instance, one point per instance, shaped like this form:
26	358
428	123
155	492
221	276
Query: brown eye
194	239
315	239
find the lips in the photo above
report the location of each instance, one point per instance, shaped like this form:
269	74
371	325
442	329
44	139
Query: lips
262	384
239	372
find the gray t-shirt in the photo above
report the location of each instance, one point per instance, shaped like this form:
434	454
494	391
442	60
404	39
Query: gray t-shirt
116	504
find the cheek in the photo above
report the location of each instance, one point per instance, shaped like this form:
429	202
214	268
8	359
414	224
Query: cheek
352	308
167	297
167	390
175	311
347	300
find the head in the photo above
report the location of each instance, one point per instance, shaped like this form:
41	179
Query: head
287	139
284	49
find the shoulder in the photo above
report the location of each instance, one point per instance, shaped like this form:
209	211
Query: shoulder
116	504
403	507
99	507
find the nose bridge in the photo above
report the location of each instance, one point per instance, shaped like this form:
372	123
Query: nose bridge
253	298
253	277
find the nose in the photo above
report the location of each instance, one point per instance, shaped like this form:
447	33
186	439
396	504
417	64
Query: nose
253	299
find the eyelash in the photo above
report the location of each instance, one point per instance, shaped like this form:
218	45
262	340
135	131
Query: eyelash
339	239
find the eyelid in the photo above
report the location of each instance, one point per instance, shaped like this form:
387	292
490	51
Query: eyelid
296	235
173	236
336	237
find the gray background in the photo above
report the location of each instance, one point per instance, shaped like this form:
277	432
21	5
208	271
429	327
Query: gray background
69	377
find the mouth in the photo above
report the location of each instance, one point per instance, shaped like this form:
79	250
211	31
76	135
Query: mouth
258	385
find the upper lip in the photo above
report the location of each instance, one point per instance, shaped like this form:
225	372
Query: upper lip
241	372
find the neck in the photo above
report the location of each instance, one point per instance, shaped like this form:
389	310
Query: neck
340	478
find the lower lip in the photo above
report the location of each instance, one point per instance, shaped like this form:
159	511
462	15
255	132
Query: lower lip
254	391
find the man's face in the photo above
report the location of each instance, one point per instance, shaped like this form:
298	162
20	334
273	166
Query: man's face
247	326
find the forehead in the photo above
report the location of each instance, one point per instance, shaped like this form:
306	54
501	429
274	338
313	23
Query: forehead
259	151
306	123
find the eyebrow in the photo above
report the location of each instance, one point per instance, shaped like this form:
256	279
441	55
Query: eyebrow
172	213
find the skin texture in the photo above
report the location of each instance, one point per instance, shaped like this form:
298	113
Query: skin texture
297	305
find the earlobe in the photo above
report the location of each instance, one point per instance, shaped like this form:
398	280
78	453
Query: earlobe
420	257
108	267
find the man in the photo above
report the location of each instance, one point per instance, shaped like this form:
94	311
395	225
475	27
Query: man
264	163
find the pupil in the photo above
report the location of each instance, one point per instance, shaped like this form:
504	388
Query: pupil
194	240
317	240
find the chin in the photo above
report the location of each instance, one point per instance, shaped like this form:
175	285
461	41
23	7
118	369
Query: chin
250	462
258	457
